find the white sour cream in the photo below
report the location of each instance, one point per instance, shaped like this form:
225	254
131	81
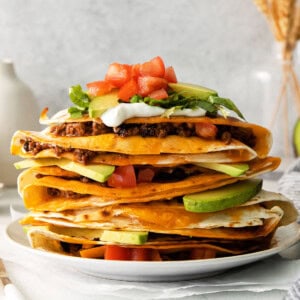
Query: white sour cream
117	115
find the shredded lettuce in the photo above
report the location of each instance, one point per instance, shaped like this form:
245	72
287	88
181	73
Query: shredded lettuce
227	103
172	103
177	101
81	101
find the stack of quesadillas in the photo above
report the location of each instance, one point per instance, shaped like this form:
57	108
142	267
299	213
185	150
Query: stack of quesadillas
145	168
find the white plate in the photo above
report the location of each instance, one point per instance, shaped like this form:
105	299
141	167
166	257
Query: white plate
157	271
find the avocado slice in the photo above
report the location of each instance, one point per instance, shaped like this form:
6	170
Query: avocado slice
39	162
100	104
233	170
223	197
192	90
296	137
125	237
98	173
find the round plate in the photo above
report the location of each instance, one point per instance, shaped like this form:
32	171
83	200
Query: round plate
157	271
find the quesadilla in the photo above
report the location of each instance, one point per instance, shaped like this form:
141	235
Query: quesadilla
169	227
146	168
54	189
233	141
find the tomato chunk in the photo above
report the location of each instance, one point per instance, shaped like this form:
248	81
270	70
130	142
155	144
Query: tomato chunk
98	88
118	74
141	254
145	175
170	75
150	77
148	84
155	67
114	252
135	71
159	94
123	177
202	253
128	90
206	130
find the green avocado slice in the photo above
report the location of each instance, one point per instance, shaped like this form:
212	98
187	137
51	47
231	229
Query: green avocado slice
98	173
224	197
296	138
125	237
100	104
233	170
192	90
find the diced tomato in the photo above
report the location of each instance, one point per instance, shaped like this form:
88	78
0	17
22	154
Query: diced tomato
123	177
155	67
170	75
159	94
155	255
135	71
148	84
128	90
141	254
98	88
145	175
143	79
197	253
202	253
206	130
118	74
114	252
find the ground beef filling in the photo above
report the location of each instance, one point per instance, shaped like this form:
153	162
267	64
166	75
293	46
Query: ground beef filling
65	194
159	130
80	129
80	155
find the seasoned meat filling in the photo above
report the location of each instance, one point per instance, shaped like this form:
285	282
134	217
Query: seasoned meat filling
66	194
92	128
80	129
81	155
160	130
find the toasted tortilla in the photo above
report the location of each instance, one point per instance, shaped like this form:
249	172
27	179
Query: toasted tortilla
34	188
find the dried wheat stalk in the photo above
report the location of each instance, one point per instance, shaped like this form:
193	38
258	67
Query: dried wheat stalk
263	6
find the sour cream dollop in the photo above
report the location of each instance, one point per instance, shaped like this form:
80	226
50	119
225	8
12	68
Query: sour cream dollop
117	115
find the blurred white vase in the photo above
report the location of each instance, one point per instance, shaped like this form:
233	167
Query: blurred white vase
19	110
